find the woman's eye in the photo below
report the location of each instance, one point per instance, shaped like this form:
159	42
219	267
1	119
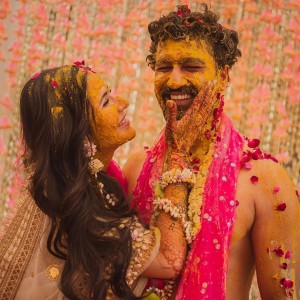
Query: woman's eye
106	101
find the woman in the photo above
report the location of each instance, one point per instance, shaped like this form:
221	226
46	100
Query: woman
72	233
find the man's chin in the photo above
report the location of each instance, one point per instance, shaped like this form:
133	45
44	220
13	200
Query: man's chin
181	110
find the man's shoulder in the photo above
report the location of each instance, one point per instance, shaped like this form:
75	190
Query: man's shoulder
266	184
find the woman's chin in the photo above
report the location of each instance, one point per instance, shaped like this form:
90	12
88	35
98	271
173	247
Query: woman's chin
126	135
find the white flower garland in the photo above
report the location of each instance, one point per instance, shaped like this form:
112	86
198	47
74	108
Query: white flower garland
177	175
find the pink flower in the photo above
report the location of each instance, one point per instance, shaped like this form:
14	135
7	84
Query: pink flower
283	266
287	255
35	75
79	63
279	251
253	143
286	283
207	134
248	165
254	179
54	84
281	207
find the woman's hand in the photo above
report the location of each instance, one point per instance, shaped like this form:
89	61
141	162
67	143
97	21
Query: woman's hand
182	134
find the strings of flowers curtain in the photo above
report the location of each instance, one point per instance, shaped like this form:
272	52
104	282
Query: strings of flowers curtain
263	98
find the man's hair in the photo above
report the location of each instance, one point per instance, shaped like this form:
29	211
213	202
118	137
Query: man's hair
187	25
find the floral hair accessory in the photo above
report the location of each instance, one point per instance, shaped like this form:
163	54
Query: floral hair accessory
90	150
53	84
35	75
79	63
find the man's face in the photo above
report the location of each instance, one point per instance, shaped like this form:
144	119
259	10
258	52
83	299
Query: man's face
181	69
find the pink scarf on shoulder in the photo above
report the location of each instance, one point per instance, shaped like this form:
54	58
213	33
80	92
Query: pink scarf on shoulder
115	171
204	276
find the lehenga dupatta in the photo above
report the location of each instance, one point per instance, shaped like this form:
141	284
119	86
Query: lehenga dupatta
204	276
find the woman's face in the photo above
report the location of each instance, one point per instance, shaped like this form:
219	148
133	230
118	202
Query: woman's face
110	127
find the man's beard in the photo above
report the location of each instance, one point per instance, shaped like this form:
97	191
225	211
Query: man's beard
165	93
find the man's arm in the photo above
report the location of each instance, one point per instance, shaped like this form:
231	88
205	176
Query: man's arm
276	231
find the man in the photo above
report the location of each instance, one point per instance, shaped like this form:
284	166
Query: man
243	210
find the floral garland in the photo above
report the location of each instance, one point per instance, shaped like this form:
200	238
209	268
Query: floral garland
193	223
195	198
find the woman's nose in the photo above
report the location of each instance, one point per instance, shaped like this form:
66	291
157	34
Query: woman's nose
177	78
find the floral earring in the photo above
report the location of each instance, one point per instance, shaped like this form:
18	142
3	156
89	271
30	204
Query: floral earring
90	150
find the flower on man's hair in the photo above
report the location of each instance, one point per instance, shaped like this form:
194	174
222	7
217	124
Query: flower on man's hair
79	63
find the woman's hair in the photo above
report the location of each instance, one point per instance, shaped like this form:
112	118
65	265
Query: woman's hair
187	25
54	113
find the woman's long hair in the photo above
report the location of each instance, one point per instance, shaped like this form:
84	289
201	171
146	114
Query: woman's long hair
54	112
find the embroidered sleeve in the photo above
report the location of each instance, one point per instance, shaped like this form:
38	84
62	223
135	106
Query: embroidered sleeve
145	247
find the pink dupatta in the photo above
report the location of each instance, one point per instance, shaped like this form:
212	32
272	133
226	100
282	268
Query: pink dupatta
115	171
204	276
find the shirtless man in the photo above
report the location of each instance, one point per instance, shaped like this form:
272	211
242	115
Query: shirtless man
244	214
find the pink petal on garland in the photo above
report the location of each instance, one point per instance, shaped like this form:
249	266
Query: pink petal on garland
279	251
283	266
287	283
287	255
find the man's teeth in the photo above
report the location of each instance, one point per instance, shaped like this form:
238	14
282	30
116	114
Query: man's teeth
180	97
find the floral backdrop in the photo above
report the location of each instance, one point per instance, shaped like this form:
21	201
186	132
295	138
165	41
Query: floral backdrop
263	98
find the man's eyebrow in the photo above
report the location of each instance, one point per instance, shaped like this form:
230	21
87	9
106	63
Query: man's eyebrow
191	60
183	60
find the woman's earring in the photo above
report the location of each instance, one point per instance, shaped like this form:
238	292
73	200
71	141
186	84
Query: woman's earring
90	150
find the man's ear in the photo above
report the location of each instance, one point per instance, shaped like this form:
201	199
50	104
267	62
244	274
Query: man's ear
224	78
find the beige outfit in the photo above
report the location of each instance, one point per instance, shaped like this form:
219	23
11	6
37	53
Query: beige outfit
29	272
